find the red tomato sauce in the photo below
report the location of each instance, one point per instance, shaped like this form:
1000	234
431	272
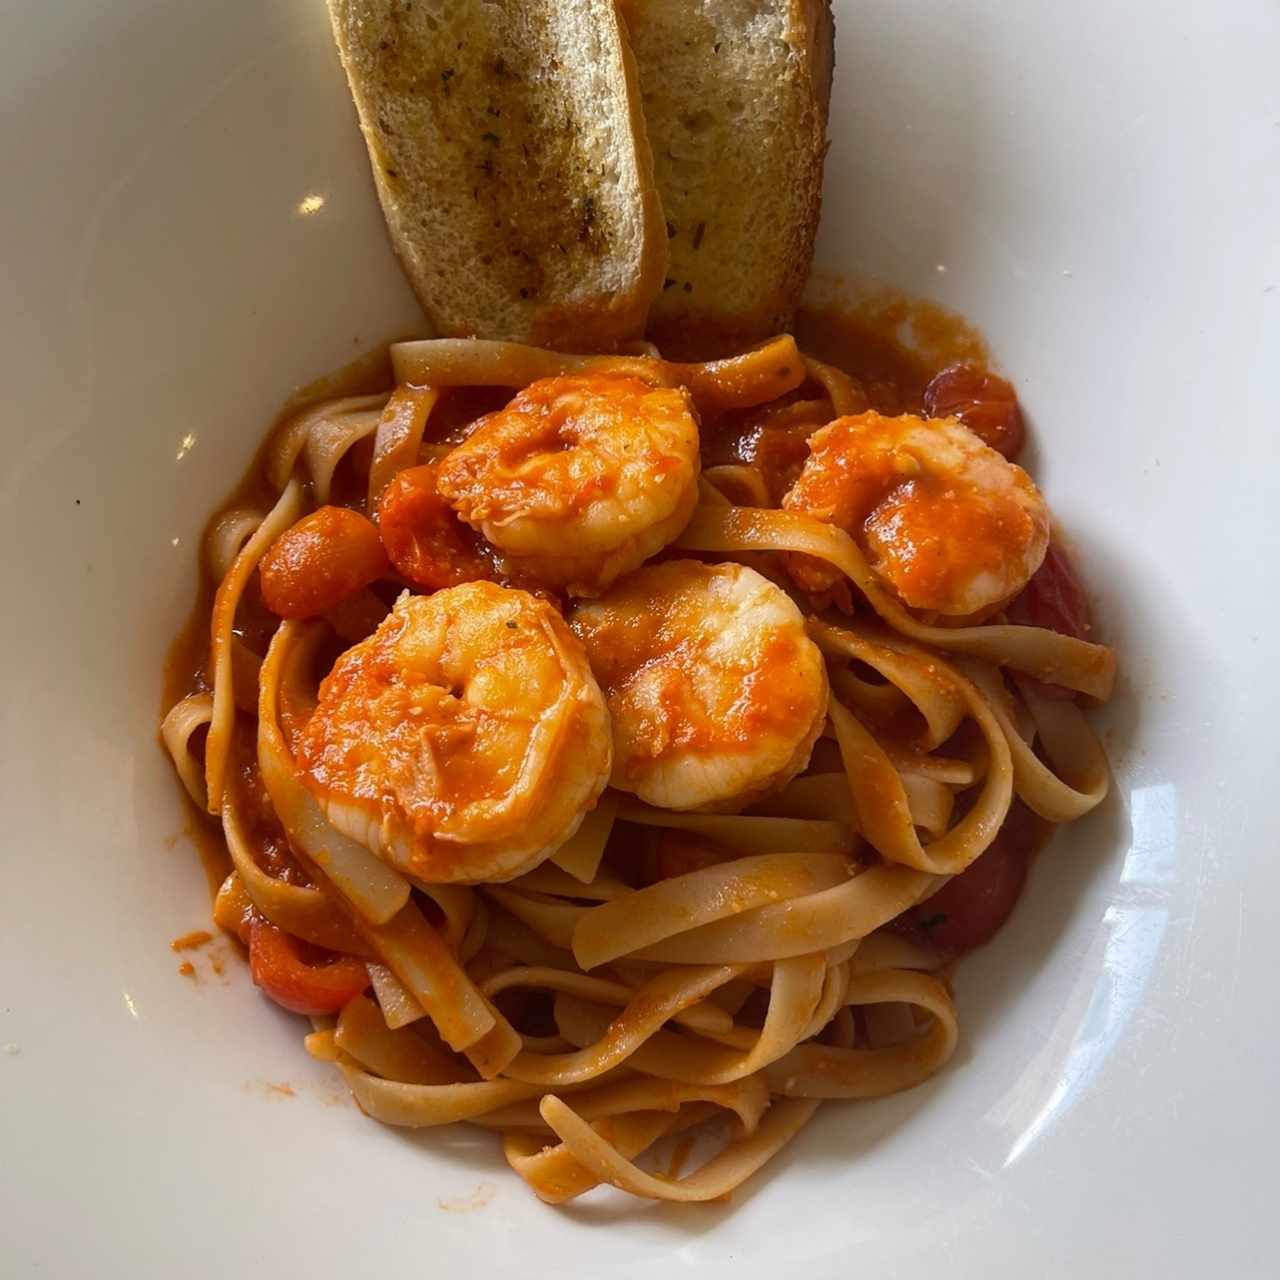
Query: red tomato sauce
905	356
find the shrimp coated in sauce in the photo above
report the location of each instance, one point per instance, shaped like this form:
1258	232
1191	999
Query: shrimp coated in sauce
947	523
579	479
465	740
716	692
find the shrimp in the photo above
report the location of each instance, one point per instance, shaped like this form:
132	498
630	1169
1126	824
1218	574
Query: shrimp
464	741
579	479
715	690
947	523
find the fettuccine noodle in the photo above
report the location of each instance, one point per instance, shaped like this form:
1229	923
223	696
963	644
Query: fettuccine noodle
590	972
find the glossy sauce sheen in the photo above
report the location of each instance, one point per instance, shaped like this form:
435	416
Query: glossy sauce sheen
863	340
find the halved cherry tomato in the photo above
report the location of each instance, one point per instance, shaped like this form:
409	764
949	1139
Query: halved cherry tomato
1054	599
970	908
326	557
277	966
984	402
423	536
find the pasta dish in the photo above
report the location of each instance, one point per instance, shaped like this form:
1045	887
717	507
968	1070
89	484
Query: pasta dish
608	748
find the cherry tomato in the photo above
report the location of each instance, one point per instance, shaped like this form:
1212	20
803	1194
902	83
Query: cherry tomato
277	966
326	557
423	536
969	909
984	402
1054	599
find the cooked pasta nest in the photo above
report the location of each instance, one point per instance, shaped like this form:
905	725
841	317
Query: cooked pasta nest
728	1000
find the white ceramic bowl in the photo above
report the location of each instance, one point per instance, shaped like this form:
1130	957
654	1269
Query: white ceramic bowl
188	232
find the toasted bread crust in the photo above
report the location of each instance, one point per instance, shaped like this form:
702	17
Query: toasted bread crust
509	155
742	210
